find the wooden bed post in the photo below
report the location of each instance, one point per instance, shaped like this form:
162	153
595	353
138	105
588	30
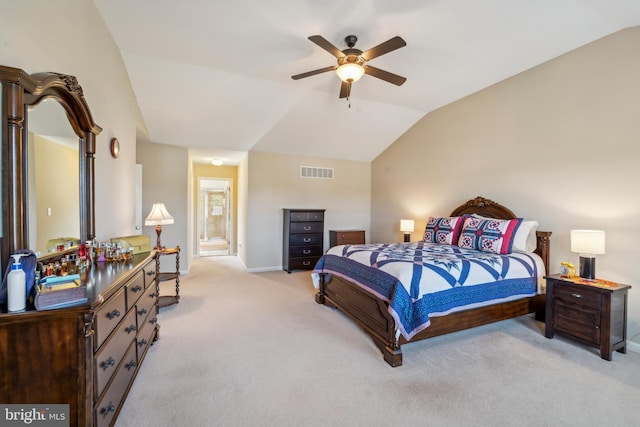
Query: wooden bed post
321	287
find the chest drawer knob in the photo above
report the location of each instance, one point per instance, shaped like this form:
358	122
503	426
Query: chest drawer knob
136	288
109	409
108	363
142	311
130	365
154	320
142	342
131	328
576	295
307	239
113	314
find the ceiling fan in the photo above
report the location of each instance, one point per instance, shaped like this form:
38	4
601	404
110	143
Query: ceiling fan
352	62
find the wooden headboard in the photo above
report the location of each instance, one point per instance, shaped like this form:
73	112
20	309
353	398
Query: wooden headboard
491	209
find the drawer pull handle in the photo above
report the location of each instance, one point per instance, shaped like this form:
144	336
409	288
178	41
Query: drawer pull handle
153	294
108	363
306	251
142	342
307	228
151	273
113	314
137	288
306	262
131	328
130	365
576	295
109	409
307	239
154	320
142	311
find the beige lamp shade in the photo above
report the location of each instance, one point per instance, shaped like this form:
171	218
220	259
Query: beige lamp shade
407	225
590	242
158	215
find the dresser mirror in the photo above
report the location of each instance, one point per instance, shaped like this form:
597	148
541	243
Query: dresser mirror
41	98
53	178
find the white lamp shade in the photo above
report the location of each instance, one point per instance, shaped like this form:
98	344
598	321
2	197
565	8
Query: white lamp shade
350	72
589	242
406	225
158	215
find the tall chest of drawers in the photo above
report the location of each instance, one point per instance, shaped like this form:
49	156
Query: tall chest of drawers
303	238
86	356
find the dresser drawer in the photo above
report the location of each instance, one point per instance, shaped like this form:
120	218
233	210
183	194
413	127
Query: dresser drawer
109	356
134	289
307	216
306	227
306	263
145	335
305	251
579	295
305	239
150	274
146	305
108	316
109	405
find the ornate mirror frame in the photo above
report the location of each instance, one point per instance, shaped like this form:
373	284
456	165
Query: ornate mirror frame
20	91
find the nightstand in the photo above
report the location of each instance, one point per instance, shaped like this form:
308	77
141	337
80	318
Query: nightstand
593	312
346	237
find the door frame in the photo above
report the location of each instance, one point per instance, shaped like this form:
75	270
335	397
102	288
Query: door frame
230	211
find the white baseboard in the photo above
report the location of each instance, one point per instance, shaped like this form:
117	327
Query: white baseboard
264	269
633	346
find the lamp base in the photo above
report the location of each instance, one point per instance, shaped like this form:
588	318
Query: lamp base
588	267
407	237
158	246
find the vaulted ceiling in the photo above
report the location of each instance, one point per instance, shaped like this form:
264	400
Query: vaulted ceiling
215	76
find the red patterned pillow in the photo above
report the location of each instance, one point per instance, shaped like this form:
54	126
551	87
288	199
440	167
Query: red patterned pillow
443	230
489	235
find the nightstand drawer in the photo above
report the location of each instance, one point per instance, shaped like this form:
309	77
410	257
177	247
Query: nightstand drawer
579	295
579	322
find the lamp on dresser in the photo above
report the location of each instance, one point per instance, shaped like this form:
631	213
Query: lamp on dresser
158	216
587	243
407	226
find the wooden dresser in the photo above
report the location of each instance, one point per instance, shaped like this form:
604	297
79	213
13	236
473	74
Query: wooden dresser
86	356
346	237
303	238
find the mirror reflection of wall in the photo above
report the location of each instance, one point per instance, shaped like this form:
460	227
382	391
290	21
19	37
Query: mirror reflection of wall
54	176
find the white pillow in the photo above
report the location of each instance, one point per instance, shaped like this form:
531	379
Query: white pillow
525	239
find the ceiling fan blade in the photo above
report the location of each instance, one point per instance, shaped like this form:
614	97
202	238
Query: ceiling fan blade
326	45
386	47
385	75
314	72
344	90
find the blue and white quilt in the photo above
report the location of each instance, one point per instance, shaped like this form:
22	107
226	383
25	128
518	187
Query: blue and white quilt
421	280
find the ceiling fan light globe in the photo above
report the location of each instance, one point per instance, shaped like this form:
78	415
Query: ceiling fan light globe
350	72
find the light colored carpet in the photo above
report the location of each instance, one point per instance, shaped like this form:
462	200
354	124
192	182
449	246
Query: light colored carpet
246	349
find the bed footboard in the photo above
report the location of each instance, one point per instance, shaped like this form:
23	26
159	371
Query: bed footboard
370	312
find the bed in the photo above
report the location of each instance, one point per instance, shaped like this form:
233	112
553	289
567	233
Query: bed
393	291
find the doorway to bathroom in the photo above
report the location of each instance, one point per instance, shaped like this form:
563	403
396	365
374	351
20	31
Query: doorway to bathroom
214	216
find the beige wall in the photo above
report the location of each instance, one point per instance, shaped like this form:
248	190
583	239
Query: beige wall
165	179
225	172
559	143
274	183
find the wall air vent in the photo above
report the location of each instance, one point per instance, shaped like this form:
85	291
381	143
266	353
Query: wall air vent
314	172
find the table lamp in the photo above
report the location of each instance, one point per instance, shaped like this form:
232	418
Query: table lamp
406	226
158	217
587	243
